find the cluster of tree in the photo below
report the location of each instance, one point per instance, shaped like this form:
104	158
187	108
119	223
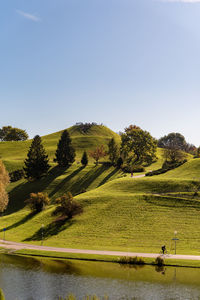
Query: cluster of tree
175	147
4	180
137	147
37	161
66	206
9	133
85	127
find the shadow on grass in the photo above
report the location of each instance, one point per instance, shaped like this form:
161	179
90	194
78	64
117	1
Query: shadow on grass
20	222
84	182
51	229
67	179
20	193
108	176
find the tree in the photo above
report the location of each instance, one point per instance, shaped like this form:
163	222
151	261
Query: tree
173	140
174	145
67	207
4	180
37	162
84	159
138	146
113	151
198	152
98	153
9	133
65	153
37	201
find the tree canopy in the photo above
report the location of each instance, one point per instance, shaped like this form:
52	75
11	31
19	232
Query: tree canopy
173	140
65	153
37	162
4	180
9	133
138	146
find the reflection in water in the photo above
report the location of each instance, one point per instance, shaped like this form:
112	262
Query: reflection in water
44	279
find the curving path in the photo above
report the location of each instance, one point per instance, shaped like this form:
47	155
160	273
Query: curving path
19	246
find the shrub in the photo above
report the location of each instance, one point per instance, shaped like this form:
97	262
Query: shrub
16	175
131	260
37	201
166	167
159	261
67	207
129	169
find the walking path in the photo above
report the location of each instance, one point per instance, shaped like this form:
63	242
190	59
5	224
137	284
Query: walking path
20	246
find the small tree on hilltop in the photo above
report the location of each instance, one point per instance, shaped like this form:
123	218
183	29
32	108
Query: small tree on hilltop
98	153
113	151
4	180
67	207
37	162
37	201
84	159
65	153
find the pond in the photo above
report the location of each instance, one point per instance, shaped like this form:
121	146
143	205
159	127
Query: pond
25	278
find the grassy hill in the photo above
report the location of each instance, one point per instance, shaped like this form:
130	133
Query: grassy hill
14	153
120	213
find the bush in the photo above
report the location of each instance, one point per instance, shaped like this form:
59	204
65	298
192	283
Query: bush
159	261
37	201
129	169
131	260
16	175
166	167
67	207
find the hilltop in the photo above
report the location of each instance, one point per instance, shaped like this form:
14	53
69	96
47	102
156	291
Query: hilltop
14	153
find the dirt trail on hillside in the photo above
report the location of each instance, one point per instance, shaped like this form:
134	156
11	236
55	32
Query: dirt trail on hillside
20	246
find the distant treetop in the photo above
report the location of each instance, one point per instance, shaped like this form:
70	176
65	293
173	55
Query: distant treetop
85	127
9	133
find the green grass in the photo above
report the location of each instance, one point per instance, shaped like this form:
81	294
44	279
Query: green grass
124	214
119	213
14	153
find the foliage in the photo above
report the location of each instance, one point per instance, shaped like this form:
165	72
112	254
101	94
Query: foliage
198	152
2	297
85	127
167	166
174	155
65	153
16	175
98	153
159	261
129	169
4	180
172	140
9	133
119	162
84	159
138	146
67	207
37	201
113	151
131	260
36	163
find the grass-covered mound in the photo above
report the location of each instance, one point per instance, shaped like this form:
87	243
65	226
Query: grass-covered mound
14	153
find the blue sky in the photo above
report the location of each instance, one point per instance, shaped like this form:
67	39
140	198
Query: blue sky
116	62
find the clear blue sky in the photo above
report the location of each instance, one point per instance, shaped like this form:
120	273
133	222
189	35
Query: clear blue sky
117	62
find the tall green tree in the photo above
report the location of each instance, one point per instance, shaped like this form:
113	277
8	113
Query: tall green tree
138	146
84	159
37	162
9	133
65	153
113	151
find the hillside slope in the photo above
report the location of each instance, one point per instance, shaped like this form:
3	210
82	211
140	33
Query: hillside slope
14	153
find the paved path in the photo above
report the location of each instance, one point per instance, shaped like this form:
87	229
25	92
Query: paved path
19	246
